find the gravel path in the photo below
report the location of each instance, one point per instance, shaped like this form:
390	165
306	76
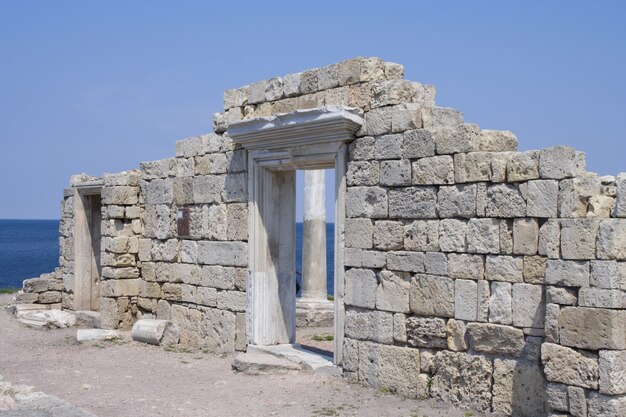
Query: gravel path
110	379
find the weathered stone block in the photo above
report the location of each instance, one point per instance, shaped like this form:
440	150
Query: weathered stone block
376	326
504	268
483	236
363	173
427	332
592	328
575	194
523	166
456	335
606	406
432	296
466	266
434	170
612	372
223	253
122	195
578	238
420	235
366	202
359	233
457	201
525	236
418	143
567	273
465	300
395	368
497	141
399	328
460	378
561	162
362	149
210	329
452	235
560	295
501	303
361	286
392	293
519	388
550	239
608	274
413	203
435	263
394	173
612	239
601	298
505	200
405	261
506	237
494	338
388	235
388	146
528	305
543	198
207	188
472	167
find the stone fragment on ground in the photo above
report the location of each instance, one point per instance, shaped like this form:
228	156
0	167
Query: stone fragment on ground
156	332
47	319
264	364
84	335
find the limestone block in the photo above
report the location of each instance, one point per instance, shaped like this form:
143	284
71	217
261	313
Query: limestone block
606	406
159	221
433	170
556	397
217	225
620	202
122	195
399	329
592	328
395	173
427	332
501	303
378	121
505	200
608	274
237	221
612	239
601	298
451	140
218	143
561	162
460	378
497	141
465	300
291	84
223	253
575	193
215	276
495	338
417	202
577	402
191	147
389	146
567	273
560	295
519	388
578	238
393	70
432	296
438	117
612	372
452	235
550	239
235	188
600	206
405	261
525	236
115	212
395	368
125	178
120	288
499	163
362	149
392	92
435	263
483	236
420	235
523	166
363	173
256	92
220	122
376	326
50	297
457	201
418	143
360	288
472	167
528	305
392	293
456	336
543	198
210	329
164	272
534	269
235	97
207	188
366	202
365	258
350	355
231	300
120	273
358	233
211	164
506	237
504	268
207	296
484	296
466	266
187	273
567	366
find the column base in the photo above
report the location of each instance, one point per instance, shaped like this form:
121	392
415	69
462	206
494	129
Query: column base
314	313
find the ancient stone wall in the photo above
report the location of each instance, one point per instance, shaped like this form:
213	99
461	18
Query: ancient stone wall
474	273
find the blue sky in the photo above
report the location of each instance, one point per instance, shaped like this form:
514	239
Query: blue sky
97	87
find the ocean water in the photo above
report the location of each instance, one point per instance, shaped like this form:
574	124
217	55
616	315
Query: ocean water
29	248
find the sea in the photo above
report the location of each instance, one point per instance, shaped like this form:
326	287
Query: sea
29	248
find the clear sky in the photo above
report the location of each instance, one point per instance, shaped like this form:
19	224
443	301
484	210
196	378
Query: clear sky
97	87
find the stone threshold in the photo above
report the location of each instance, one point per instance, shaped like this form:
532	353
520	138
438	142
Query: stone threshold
305	358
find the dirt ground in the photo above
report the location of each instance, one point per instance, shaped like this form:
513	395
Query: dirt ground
111	379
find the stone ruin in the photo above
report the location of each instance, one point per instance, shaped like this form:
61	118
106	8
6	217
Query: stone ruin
464	270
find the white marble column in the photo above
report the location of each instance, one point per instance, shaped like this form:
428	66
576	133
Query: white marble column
314	237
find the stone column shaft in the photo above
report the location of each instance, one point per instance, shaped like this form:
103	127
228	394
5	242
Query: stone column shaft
314	236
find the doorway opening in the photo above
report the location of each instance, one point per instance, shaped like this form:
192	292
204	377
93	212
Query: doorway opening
87	249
